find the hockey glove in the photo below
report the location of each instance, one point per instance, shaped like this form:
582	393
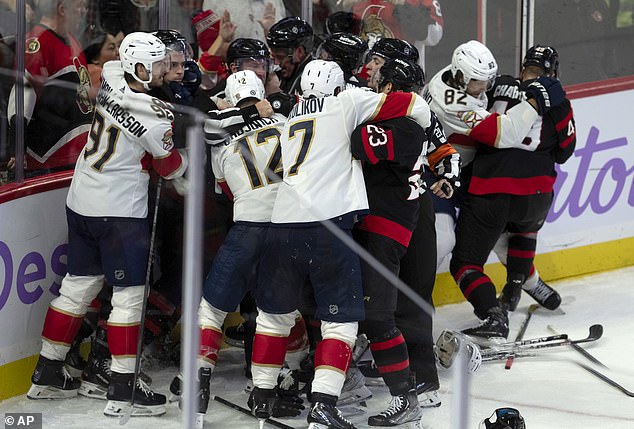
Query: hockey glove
547	93
287	405
192	77
282	103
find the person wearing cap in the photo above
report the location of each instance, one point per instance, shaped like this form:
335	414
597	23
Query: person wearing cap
253	19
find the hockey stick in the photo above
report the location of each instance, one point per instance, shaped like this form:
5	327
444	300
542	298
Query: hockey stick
522	331
593	371
580	349
520	348
248	413
150	259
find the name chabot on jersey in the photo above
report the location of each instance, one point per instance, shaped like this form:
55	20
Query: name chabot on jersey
118	113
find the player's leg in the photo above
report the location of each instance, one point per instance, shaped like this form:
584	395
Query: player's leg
124	246
482	219
66	312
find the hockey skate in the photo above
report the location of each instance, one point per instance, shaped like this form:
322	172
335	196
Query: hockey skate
95	378
402	409
51	380
354	389
545	295
202	396
495	325
176	387
146	402
75	364
324	415
512	292
428	395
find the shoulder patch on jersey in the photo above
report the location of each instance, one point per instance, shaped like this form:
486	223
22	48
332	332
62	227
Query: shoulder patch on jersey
32	45
168	144
470	118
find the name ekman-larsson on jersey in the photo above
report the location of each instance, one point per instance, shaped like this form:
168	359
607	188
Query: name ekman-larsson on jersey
118	113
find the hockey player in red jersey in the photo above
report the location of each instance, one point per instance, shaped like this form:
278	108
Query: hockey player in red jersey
393	152
108	230
520	179
457	95
57	105
322	182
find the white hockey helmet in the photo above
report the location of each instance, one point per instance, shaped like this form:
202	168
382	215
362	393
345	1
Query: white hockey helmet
452	345
321	78
243	85
475	61
140	48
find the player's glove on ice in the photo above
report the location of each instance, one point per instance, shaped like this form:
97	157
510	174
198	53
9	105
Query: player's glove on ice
546	91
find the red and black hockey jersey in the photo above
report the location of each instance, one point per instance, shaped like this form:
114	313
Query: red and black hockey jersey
529	168
60	120
393	152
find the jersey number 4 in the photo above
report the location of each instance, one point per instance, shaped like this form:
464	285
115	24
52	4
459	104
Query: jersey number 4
96	130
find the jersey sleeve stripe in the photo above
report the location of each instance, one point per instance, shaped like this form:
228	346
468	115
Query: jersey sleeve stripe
369	152
396	104
564	122
168	166
564	144
441	152
488	131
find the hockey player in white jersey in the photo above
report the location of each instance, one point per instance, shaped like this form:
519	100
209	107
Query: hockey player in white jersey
248	167
322	182
457	95
107	226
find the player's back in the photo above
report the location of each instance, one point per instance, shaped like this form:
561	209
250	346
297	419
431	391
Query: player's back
128	129
250	164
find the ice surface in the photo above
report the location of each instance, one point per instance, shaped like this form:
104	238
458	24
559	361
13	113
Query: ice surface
551	392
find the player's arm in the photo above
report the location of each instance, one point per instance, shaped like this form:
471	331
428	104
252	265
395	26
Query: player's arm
218	120
168	162
566	134
443	160
217	167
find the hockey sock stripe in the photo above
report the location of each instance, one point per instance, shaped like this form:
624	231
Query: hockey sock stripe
388	344
210	341
268	350
61	327
465	270
333	353
123	339
469	288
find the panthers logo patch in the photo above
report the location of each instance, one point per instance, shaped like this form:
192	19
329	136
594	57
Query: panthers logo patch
168	144
470	118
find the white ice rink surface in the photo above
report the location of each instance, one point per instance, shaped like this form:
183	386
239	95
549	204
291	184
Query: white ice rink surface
551	392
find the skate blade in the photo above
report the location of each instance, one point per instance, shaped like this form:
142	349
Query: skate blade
200	420
317	426
49	392
92	390
120	408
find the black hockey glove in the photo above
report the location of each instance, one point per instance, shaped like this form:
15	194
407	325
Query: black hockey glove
192	77
287	404
282	103
546	91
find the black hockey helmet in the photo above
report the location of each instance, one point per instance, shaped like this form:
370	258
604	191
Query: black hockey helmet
543	56
394	48
404	75
290	32
174	41
247	48
342	22
505	418
346	49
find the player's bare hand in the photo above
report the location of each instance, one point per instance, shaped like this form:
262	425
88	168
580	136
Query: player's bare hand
264	108
227	28
268	16
272	84
442	189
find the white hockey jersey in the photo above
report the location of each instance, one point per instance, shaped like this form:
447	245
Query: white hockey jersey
321	179
249	166
466	120
130	132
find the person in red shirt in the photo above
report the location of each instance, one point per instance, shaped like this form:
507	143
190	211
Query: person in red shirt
57	106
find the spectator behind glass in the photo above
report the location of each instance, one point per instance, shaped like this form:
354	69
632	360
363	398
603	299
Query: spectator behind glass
252	18
102	47
57	116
